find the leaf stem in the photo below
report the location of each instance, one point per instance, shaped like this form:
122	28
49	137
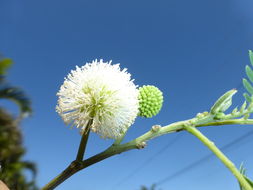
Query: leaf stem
240	121
220	155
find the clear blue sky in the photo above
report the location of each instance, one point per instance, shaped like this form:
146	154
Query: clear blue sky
194	51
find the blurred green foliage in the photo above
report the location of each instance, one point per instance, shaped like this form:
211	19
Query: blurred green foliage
11	147
153	187
13	93
5	63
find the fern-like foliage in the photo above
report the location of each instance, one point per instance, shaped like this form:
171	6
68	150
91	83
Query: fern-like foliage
247	83
225	101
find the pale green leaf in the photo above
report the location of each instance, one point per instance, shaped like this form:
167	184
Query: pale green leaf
251	57
243	106
247	97
248	86
235	111
249	73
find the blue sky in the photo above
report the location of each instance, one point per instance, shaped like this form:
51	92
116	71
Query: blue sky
194	51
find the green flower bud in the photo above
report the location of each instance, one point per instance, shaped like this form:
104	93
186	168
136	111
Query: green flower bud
150	101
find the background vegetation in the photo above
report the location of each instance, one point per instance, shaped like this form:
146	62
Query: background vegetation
11	147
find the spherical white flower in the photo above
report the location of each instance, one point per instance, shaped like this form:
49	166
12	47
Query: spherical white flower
102	92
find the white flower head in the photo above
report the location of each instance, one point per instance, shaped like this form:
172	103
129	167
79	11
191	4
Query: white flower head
102	92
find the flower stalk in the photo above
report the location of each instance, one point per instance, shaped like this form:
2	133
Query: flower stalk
83	142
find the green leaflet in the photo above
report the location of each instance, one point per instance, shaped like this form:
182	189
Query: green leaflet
251	57
235	111
249	73
247	97
243	106
246	83
248	86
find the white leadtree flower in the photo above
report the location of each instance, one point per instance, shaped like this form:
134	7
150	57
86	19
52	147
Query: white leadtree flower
102	92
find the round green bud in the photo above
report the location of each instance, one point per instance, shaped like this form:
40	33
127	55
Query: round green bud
150	101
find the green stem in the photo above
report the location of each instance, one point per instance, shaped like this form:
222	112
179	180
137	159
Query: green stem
115	149
220	155
83	142
69	171
76	166
120	139
240	121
